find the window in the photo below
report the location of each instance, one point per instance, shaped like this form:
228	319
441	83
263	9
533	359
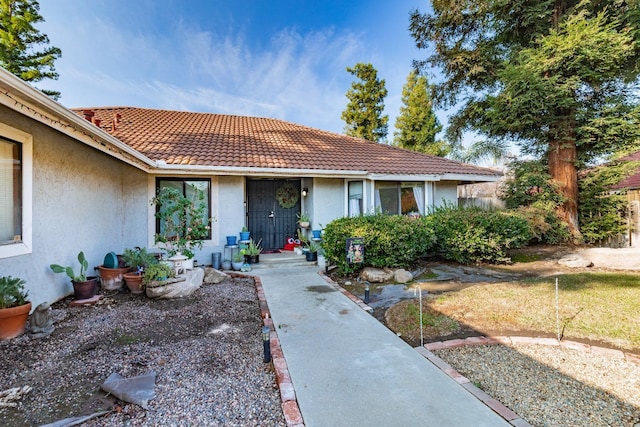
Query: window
192	189
15	192
399	197
355	198
10	191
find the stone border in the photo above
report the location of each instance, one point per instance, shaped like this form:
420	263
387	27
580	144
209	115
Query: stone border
497	407
290	408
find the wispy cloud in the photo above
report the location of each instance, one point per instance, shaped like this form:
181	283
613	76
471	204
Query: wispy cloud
295	76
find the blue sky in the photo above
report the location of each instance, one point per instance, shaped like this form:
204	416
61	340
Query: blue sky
284	59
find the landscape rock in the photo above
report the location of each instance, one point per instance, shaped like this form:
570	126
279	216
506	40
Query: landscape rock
402	276
213	276
376	275
575	261
192	281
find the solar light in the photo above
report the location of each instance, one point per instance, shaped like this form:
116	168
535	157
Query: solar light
266	344
366	292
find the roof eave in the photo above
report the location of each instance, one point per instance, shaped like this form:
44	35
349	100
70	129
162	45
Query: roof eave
23	98
162	167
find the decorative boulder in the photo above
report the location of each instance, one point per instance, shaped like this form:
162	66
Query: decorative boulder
213	276
575	261
179	287
402	276
376	275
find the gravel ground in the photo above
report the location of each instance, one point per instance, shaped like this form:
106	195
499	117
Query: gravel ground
206	350
553	386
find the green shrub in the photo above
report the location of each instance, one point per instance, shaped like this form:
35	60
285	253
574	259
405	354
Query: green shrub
544	223
390	240
529	182
603	214
469	235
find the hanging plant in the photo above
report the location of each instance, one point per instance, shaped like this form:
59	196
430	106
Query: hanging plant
287	196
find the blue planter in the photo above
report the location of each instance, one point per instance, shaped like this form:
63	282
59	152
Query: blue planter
316	233
244	235
232	240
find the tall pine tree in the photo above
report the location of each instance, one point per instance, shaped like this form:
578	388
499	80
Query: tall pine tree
557	77
417	125
363	114
23	49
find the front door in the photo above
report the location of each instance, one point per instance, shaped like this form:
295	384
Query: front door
272	208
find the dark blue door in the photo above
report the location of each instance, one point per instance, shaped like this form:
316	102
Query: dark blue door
272	208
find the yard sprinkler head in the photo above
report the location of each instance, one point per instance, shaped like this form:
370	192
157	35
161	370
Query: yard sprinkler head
366	292
266	344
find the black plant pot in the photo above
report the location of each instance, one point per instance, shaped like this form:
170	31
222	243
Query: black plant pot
312	256
252	259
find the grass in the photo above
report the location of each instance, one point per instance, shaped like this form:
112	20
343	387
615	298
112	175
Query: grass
595	306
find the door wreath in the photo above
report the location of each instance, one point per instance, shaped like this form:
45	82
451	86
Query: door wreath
287	196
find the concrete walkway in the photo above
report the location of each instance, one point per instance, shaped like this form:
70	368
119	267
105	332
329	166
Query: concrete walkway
348	369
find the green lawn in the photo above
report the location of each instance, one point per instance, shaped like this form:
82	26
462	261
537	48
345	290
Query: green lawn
597	306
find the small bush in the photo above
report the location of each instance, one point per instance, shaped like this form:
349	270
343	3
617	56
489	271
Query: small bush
390	240
544	223
603	214
469	235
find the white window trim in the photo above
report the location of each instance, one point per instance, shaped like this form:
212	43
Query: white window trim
26	245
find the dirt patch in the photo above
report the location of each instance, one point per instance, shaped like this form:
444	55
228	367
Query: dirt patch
206	350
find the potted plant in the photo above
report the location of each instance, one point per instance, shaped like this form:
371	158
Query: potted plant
245	234
226	264
84	287
183	222
252	252
237	260
303	220
312	253
111	274
157	272
14	307
137	260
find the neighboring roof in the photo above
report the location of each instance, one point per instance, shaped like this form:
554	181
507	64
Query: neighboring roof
217	140
631	182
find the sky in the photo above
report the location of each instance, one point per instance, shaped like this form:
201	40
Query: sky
283	59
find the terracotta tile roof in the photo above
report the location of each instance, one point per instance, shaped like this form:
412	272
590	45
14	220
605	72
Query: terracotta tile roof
204	139
631	182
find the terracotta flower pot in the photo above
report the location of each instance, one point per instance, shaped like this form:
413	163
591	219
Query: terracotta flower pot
13	320
112	278
86	289
134	282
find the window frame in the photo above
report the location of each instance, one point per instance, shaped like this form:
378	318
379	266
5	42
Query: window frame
25	245
184	182
361	204
397	187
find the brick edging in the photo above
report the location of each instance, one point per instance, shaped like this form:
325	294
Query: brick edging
290	408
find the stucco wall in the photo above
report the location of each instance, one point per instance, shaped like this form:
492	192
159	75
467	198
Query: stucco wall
82	200
445	192
328	197
228	209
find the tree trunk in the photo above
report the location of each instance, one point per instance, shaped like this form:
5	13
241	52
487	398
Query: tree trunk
562	168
